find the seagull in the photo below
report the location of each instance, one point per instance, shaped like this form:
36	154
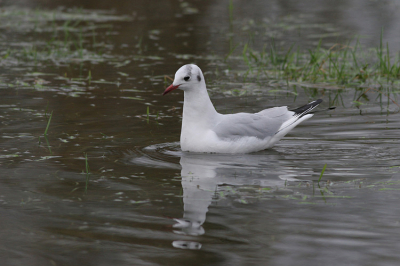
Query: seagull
207	131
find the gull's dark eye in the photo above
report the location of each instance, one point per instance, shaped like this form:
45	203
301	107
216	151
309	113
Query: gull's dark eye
186	78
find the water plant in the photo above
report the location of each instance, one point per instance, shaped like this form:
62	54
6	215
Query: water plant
89	77
139	44
230	10
48	144
48	124
322	173
87	171
341	64
72	34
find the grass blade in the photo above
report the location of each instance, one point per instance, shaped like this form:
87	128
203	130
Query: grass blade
322	173
48	124
87	171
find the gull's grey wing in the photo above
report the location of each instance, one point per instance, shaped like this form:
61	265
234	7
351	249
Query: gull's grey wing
261	125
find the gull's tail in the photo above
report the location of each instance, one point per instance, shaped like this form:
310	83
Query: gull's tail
299	115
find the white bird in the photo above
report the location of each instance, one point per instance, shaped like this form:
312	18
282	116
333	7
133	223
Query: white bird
206	130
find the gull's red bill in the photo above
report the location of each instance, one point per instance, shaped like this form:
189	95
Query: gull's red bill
170	88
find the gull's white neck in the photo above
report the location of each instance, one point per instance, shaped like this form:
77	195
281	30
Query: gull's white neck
197	107
199	116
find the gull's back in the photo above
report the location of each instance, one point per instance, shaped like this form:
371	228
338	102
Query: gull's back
262	125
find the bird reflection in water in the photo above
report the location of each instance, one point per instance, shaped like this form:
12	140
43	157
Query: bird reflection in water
202	173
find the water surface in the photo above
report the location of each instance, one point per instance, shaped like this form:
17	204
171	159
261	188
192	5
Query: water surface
100	68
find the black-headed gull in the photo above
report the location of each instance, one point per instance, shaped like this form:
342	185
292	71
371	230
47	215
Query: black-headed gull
205	130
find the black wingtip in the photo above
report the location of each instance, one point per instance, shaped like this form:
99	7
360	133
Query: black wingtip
305	109
316	102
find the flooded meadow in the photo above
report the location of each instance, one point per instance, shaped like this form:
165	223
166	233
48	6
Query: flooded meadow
91	168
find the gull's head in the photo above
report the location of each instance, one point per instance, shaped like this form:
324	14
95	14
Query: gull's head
186	78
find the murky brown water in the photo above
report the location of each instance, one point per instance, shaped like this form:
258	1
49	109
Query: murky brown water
100	71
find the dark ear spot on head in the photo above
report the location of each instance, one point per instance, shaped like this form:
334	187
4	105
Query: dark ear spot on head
198	78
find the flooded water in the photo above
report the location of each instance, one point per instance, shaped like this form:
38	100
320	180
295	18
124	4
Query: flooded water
109	185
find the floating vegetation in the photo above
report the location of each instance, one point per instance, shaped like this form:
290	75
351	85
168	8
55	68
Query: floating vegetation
39	19
72	32
3	156
302	192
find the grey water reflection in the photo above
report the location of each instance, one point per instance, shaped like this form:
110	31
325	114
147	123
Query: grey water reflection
203	173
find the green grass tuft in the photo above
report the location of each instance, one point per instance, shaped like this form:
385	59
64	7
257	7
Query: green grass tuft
341	64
